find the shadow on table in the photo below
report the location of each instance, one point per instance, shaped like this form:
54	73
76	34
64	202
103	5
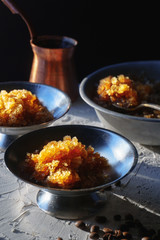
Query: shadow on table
142	186
155	149
122	214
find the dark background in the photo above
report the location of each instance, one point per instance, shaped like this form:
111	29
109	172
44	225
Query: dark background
108	32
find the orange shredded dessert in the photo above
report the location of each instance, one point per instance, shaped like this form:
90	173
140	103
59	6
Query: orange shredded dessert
125	92
122	90
67	164
22	108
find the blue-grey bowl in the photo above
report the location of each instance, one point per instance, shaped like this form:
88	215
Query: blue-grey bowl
56	101
74	203
138	129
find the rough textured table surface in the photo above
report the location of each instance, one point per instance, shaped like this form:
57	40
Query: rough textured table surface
138	194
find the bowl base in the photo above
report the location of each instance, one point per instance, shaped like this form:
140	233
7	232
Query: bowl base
71	207
6	140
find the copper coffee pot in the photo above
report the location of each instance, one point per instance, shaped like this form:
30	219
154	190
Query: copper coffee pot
53	61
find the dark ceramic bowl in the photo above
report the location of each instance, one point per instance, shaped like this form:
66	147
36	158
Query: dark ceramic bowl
75	203
57	102
139	129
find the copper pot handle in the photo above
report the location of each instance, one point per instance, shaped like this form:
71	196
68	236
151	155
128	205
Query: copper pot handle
16	10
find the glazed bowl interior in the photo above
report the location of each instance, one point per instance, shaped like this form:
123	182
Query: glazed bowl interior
138	129
120	152
56	101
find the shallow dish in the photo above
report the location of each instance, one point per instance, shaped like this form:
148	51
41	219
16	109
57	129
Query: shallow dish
56	101
139	129
74	203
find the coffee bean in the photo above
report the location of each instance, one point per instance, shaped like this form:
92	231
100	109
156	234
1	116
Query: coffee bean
59	238
107	230
127	235
118	233
122	233
107	236
101	219
146	238
94	228
94	235
80	224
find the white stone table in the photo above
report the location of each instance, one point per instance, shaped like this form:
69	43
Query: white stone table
138	194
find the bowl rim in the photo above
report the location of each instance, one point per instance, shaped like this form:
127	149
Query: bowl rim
41	124
105	110
83	190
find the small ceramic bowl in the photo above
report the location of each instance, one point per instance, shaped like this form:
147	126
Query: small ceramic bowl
74	203
139	129
56	101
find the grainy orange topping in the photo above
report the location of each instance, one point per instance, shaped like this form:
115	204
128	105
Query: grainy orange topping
122	90
22	108
118	90
67	164
127	93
